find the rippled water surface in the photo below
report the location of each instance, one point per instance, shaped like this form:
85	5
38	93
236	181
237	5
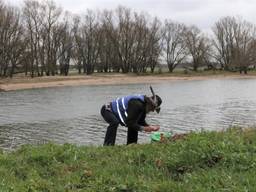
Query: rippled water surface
71	114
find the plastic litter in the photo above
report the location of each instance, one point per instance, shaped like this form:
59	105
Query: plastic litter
160	136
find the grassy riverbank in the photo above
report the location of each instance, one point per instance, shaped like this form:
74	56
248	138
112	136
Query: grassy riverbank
209	161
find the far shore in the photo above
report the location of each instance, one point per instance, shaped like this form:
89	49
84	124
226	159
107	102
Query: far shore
19	83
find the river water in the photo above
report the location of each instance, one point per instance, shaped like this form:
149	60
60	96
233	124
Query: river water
71	114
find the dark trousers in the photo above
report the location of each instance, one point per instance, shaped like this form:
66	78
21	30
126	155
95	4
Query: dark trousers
112	120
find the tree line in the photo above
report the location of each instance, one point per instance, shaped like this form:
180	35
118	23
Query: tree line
41	39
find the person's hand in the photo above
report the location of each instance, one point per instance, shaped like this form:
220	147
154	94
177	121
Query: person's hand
151	128
155	127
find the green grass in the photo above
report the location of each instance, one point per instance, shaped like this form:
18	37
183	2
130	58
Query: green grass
207	161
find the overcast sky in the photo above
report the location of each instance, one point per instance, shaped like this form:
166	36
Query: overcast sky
203	13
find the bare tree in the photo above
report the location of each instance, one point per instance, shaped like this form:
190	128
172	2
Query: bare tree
43	34
140	43
123	38
154	45
66	44
33	14
250	55
136	42
51	35
107	52
224	41
89	42
11	41
45	41
174	47
234	38
198	46
243	38
78	51
17	43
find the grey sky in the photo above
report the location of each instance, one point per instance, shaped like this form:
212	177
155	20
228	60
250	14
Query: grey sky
202	13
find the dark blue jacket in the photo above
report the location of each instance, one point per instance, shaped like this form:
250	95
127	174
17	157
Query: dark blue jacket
131	111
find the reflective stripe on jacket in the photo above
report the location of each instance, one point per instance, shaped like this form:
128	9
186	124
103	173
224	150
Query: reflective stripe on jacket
120	106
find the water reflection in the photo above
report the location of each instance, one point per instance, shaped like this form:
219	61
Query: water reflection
71	114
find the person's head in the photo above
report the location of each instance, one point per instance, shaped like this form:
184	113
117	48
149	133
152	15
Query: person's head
153	103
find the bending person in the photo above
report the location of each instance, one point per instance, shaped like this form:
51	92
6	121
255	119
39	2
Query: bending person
130	111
